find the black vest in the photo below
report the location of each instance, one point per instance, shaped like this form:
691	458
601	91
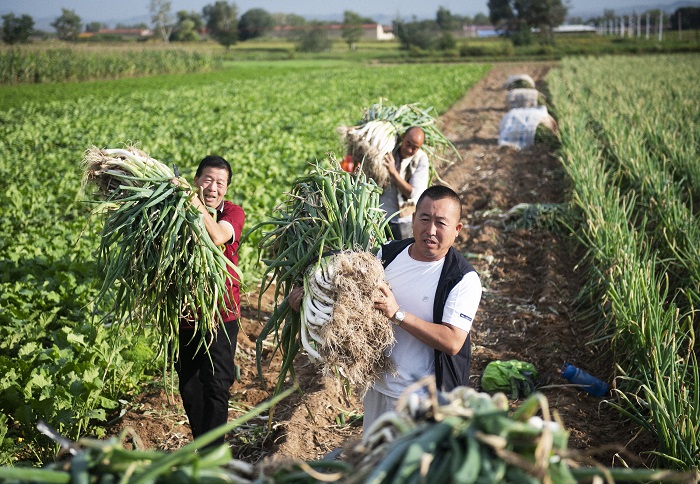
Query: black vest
450	371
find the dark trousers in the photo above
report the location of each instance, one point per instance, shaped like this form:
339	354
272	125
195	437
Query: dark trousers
403	230
206	377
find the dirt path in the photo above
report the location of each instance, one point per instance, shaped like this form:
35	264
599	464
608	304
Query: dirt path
529	274
526	313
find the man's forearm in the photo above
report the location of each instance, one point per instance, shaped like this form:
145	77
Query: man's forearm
442	337
405	188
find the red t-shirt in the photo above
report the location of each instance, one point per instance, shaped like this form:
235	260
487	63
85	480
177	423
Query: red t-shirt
234	215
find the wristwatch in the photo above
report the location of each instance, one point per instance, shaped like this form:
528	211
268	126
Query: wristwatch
398	318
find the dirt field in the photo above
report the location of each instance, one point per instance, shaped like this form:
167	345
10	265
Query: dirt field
527	311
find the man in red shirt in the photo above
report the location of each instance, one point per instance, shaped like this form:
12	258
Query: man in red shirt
206	374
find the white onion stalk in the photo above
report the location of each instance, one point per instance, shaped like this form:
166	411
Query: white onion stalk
369	143
378	132
317	305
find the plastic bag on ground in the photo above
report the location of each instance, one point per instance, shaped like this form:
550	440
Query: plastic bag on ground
522	98
518	126
519	80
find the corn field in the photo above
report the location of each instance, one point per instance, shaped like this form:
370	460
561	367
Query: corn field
28	64
630	138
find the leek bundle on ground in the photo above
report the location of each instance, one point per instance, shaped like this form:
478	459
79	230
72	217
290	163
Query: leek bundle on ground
158	261
109	460
378	133
323	239
462	436
468	436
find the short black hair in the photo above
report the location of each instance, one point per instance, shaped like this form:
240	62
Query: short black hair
212	161
439	192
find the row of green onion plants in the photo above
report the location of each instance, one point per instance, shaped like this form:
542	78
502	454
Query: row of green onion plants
630	138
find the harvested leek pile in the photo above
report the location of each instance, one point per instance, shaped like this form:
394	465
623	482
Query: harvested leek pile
109	461
463	436
323	239
466	436
378	133
158	261
368	143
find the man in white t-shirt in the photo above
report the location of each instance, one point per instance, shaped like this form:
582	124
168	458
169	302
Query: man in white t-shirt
428	279
408	168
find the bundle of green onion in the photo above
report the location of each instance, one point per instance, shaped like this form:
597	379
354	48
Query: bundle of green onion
378	132
471	437
328	212
91	460
468	437
368	144
158	261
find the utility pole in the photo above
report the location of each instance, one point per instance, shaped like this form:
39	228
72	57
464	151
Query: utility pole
648	25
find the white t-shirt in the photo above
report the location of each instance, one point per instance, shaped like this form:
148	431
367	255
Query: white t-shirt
413	284
389	198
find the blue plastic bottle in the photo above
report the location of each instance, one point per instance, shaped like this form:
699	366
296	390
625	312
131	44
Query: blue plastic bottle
589	383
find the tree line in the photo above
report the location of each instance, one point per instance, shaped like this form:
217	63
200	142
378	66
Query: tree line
221	22
516	19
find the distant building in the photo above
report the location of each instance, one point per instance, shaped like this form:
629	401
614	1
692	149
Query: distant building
384	33
371	31
474	31
575	29
124	34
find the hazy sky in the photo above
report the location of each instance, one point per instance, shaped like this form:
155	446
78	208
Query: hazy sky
112	11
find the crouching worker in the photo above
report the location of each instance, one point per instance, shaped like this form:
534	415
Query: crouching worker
206	374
